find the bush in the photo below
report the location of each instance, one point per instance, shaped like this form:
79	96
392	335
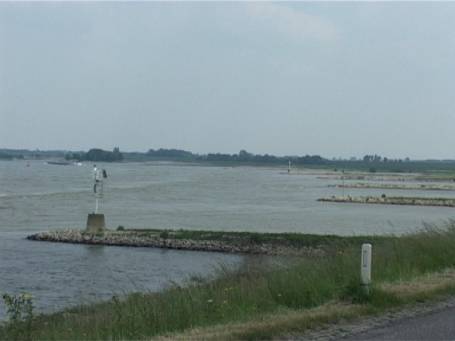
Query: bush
19	309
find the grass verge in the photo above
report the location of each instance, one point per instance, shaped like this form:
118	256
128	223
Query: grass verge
285	293
290	324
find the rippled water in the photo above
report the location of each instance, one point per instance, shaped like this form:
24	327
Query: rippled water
164	195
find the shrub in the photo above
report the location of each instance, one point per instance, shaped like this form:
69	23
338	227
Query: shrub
19	309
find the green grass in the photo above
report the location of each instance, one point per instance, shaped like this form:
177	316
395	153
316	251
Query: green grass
249	293
285	239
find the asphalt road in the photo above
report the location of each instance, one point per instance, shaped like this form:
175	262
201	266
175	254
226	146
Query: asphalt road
437	325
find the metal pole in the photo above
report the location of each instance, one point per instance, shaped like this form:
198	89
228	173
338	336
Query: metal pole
96	205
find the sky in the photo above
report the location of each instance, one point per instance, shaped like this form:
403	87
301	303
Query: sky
334	79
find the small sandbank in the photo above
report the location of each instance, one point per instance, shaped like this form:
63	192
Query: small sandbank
415	201
421	187
230	242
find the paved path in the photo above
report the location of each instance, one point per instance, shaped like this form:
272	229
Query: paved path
424	321
438	325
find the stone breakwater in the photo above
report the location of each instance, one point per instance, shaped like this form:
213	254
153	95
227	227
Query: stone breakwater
421	187
113	238
402	178
444	202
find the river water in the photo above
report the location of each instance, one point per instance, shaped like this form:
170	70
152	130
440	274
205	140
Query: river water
40	196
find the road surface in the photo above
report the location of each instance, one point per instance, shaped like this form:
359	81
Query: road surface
435	325
431	323
423	321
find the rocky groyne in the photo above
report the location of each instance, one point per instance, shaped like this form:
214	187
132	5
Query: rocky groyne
421	187
416	201
391	178
132	239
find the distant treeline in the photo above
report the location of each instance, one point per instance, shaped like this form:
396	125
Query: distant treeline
6	156
370	162
11	154
245	157
96	154
242	157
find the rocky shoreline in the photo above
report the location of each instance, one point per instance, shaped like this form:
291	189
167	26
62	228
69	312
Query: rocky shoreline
389	178
422	187
131	239
414	201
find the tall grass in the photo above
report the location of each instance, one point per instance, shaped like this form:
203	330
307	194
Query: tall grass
248	293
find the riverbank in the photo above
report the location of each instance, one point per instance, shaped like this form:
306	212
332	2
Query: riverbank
383	200
295	244
420	187
266	302
339	320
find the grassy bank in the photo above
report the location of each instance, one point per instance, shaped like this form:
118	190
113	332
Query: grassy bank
332	319
248	295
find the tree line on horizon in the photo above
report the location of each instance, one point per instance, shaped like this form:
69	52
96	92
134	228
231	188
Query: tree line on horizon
96	154
243	156
369	162
183	155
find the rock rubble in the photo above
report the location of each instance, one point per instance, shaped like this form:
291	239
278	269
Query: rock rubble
113	238
444	202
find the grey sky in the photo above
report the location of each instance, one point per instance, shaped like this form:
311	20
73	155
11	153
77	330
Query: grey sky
336	79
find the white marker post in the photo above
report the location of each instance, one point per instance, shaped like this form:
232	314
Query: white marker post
365	267
97	186
96	221
342	179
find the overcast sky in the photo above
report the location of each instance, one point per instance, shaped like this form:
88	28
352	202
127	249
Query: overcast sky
336	79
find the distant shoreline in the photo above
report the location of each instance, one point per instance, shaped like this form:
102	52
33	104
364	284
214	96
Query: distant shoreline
367	163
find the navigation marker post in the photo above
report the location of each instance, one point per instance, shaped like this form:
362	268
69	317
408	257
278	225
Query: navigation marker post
289	167
95	221
342	180
365	267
